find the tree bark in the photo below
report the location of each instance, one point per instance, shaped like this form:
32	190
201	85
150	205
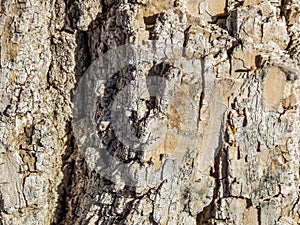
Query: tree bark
202	127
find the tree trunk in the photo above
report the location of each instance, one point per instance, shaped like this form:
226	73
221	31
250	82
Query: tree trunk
150	112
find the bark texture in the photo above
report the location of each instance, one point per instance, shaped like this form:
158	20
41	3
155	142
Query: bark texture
238	111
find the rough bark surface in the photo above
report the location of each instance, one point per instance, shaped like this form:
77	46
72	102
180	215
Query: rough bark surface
242	105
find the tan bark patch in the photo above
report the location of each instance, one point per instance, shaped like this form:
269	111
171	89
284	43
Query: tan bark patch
157	6
274	87
212	7
252	2
216	7
174	117
251	216
10	49
193	7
